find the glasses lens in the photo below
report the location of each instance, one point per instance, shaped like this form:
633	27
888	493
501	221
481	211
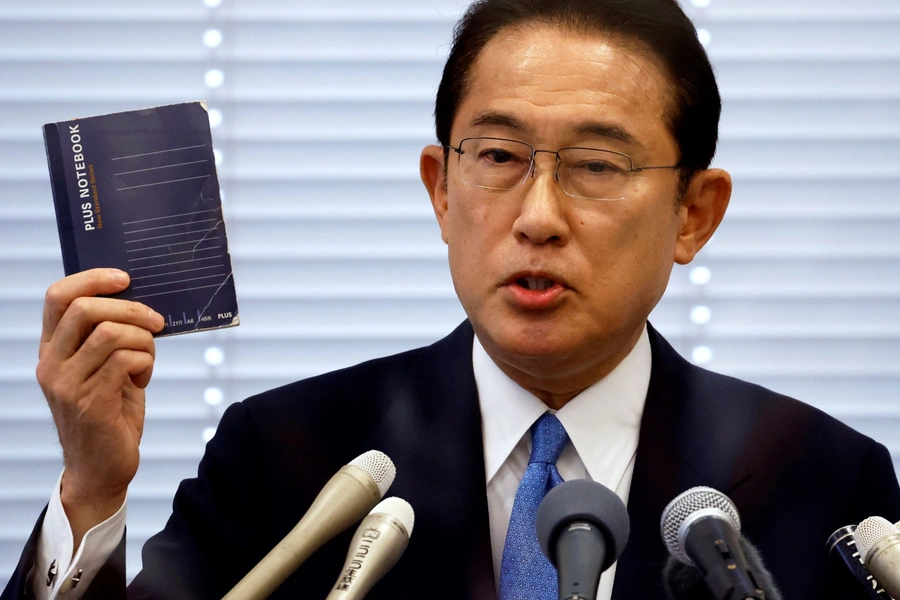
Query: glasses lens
593	174
493	163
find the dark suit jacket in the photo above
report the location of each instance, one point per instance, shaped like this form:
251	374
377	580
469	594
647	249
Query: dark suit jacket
794	473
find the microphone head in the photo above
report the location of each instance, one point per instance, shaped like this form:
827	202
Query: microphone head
583	500
378	466
688	506
399	509
871	531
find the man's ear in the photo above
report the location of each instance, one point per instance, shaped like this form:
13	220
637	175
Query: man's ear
431	169
701	211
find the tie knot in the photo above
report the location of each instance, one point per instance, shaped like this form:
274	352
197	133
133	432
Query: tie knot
548	438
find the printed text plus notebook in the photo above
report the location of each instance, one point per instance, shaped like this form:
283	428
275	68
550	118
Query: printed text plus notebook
138	191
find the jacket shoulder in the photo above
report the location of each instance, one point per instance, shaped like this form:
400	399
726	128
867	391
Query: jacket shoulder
356	398
736	405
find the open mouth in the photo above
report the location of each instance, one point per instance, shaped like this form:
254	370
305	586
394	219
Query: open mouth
535	283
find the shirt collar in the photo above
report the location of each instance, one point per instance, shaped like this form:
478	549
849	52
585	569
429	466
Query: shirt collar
602	421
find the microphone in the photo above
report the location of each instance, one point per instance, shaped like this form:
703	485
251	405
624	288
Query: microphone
684	582
842	545
376	547
701	527
878	541
345	499
582	527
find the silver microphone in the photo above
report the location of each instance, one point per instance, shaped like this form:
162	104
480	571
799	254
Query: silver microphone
376	547
842	545
345	499
878	542
701	528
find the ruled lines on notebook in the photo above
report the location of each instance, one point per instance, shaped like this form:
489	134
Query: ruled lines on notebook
176	253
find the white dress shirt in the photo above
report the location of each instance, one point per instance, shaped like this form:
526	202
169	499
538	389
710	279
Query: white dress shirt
603	423
71	574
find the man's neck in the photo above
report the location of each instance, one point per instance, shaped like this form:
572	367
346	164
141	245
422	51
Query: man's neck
555	383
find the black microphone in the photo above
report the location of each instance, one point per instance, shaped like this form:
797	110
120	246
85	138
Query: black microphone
582	527
684	582
842	546
701	527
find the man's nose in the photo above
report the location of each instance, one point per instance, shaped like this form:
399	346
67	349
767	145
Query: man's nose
543	215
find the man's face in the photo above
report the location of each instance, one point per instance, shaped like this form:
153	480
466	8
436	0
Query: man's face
557	286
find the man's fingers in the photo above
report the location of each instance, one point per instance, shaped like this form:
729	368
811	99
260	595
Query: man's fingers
60	295
135	364
139	367
105	340
85	315
59	378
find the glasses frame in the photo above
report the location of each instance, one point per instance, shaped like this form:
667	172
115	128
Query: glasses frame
531	167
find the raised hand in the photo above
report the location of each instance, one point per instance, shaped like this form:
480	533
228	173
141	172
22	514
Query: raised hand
96	358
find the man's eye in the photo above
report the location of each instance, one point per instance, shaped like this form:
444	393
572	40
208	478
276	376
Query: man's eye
597	167
498	156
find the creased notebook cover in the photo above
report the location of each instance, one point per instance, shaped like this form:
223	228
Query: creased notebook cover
138	191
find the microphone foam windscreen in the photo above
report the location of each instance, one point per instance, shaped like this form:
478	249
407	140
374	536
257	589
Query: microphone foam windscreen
398	508
870	532
583	500
686	504
684	582
379	467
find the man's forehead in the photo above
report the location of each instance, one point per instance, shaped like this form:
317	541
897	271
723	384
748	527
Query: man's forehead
595	79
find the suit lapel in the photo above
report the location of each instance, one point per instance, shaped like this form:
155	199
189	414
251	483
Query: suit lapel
433	432
685	440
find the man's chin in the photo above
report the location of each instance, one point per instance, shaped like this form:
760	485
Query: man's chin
550	344
536	344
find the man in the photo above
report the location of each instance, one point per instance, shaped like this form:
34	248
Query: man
572	172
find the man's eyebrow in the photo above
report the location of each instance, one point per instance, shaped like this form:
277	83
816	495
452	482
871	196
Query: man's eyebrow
607	130
598	129
498	119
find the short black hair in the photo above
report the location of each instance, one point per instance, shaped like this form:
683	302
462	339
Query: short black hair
657	26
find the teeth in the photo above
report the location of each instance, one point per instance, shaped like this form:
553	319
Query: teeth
537	283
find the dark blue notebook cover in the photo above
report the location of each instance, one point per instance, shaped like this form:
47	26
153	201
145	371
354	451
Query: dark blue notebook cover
138	191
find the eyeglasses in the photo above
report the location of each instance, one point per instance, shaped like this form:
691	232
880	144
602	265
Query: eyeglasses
500	164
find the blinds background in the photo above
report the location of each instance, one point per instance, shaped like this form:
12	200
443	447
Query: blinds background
799	290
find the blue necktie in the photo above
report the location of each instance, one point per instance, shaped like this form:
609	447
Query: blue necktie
525	573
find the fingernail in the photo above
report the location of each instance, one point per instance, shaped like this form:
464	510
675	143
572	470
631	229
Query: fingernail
119	277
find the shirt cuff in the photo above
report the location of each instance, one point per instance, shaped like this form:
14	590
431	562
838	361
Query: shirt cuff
58	573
